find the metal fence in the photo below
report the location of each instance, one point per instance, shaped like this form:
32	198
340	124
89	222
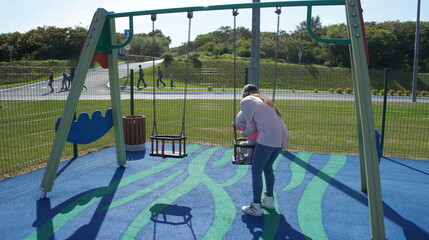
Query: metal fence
316	104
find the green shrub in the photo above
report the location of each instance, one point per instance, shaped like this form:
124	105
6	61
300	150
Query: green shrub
391	92
407	92
331	90
382	92
400	93
339	90
348	90
194	56
210	88
168	59
424	93
375	91
316	90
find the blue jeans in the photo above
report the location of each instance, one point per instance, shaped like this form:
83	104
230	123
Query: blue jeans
263	159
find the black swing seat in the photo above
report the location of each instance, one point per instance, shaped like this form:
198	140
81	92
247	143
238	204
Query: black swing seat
237	158
171	146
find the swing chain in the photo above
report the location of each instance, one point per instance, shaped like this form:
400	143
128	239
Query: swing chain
188	50
278	12
154	126
235	13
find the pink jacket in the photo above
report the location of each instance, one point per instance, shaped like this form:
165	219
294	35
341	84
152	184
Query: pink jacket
253	136
264	119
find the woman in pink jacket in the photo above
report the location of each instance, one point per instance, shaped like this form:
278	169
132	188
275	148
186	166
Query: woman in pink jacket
262	116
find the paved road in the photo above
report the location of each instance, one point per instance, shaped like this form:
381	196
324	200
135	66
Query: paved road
98	89
96	85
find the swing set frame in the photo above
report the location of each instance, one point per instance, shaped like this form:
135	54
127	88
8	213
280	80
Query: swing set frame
100	45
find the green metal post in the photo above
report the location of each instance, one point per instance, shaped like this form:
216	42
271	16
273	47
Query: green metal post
116	98
72	73
365	113
75	147
72	100
132	92
383	121
363	184
246	76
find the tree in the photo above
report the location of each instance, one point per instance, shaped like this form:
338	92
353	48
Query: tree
8	40
382	46
267	45
391	44
75	39
45	43
336	54
147	45
223	34
315	23
424	48
137	45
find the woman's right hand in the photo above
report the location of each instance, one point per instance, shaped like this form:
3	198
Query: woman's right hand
235	126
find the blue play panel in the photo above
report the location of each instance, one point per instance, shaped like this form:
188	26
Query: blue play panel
200	197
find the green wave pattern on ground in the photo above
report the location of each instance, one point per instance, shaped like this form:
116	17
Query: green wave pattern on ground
309	207
240	170
310	217
224	216
272	219
142	192
86	200
298	171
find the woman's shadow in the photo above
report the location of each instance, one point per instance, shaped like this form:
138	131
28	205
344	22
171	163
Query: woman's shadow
283	231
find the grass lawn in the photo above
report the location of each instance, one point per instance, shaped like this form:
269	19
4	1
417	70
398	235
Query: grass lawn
27	130
27	127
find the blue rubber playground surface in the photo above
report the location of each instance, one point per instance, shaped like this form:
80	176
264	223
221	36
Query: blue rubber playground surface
200	197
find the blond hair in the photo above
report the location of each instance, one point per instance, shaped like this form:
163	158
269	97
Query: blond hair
268	102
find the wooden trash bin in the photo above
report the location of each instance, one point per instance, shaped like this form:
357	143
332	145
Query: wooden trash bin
134	133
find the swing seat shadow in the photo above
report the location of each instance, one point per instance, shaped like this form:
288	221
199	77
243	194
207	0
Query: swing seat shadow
170	214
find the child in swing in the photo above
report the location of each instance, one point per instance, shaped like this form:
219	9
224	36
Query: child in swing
245	154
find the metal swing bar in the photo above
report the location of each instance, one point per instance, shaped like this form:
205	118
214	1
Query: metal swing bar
309	4
231	6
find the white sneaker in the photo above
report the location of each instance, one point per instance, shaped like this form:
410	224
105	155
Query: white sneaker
253	209
267	202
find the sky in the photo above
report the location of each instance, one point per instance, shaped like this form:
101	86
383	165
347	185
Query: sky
24	15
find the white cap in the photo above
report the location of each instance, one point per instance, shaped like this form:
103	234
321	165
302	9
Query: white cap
249	89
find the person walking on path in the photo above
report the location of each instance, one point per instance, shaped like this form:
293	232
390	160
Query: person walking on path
64	82
263	116
171	81
141	78
71	80
51	80
160	76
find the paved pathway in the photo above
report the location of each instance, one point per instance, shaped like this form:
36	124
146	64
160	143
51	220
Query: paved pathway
96	85
98	89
